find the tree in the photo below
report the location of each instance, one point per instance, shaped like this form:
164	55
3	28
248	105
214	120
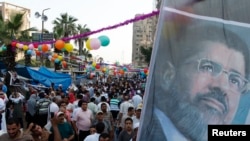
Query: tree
100	60
11	30
87	54
4	37
25	37
146	52
80	41
64	26
14	24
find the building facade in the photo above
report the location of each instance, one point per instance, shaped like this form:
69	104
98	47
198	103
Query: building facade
7	10
143	36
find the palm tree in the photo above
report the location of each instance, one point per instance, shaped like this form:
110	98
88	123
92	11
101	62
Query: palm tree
100	60
64	27
80	41
4	38
146	52
87	54
14	24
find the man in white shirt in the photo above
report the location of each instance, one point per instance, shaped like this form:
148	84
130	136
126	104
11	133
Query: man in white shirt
53	108
137	99
99	129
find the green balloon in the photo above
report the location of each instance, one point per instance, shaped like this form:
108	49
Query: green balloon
104	40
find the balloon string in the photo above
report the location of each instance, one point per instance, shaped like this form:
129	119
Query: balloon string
138	18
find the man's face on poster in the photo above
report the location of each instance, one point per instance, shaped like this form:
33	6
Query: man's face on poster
207	88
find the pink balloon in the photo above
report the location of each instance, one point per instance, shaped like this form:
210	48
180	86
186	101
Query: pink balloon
95	43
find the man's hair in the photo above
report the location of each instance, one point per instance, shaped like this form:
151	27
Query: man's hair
80	102
130	109
92	99
61	102
79	96
103	104
104	135
11	121
100	127
128	119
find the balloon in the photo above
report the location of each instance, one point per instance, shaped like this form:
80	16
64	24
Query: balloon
40	47
95	43
20	46
55	55
122	72
125	69
31	46
63	49
45	48
17	45
64	64
104	70
60	57
97	66
57	61
25	47
29	52
69	47
38	53
35	45
59	44
49	46
52	59
33	53
145	70
88	45
13	44
4	48
104	40
49	57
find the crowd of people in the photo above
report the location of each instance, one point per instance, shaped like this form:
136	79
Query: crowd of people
107	109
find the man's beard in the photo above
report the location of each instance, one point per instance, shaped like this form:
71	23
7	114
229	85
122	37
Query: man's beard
191	117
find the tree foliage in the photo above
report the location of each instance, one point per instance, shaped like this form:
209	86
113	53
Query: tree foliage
146	52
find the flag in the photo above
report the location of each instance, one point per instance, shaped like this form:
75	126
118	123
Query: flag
199	70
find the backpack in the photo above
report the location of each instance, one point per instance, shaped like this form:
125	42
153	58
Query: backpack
42	106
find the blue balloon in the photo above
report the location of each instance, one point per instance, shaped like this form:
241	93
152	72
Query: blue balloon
104	40
57	61
29	52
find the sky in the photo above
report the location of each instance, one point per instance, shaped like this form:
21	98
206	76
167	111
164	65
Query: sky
96	14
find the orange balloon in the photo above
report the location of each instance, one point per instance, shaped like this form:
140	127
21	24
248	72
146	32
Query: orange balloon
38	53
55	55
121	72
64	63
45	48
52	59
59	44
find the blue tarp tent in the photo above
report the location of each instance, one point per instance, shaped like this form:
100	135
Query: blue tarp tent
45	76
53	74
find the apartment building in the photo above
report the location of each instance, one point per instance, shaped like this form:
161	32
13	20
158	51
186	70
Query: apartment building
7	10
143	36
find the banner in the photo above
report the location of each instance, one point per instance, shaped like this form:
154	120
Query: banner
199	72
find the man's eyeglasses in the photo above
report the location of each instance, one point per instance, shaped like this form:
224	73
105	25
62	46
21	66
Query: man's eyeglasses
236	81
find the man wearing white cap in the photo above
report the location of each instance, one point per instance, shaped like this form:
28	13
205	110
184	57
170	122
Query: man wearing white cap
65	129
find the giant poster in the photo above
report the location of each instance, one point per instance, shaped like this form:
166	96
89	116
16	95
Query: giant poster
199	70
